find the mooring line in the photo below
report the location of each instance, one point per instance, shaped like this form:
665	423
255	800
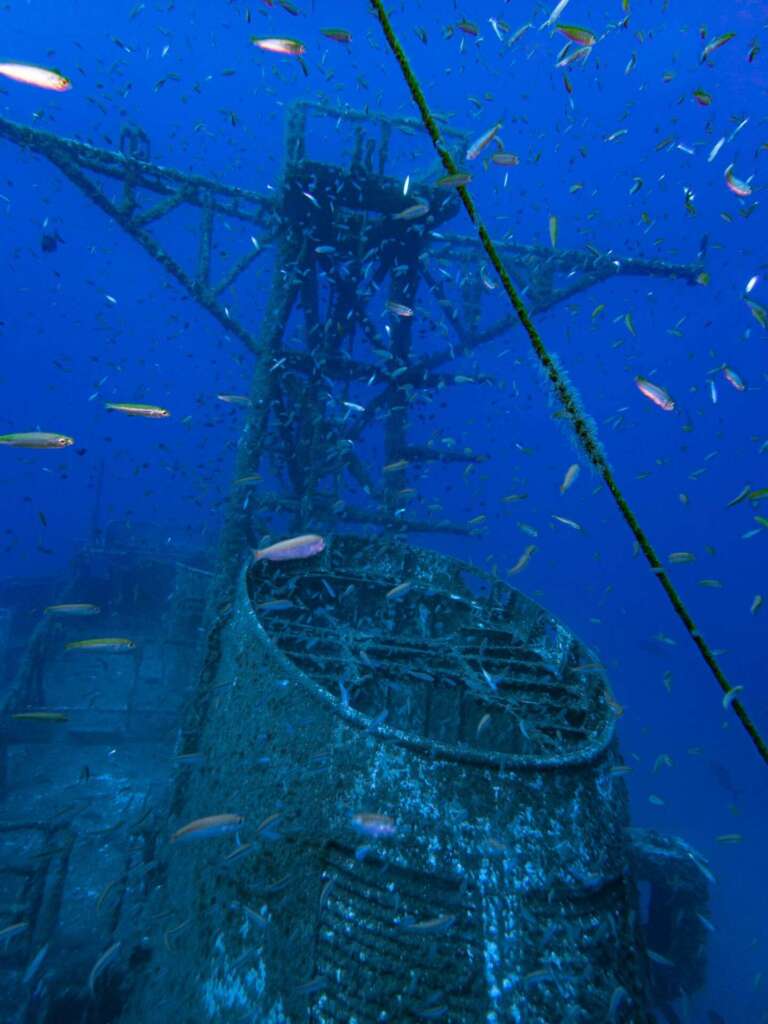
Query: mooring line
566	395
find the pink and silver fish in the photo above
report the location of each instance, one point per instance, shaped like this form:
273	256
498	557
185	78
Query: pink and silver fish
296	547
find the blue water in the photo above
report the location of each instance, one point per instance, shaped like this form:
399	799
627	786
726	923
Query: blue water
67	348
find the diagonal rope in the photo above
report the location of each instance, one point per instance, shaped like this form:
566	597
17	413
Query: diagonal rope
566	395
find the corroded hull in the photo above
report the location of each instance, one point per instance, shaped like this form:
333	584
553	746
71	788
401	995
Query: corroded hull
466	714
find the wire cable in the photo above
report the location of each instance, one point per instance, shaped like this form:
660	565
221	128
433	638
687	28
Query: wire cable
566	395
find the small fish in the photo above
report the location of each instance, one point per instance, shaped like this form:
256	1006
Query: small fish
480	143
72	609
208	828
733	378
656	394
659	959
12	930
730	696
339	35
29	74
453	180
702	97
468	27
153	412
398	309
239	853
394	467
568	522
729	837
193	757
36	439
316	984
522	561
488	282
553	230
744	493
101	964
412	212
377	826
757	603
715	45
399	591
288	47
34	965
577	35
758	312
234	399
581	54
680	557
431	925
505	159
41	716
736	185
276	605
716	149
110	644
558	10
570	477
305	546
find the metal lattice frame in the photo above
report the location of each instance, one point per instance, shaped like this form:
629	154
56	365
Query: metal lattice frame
352	212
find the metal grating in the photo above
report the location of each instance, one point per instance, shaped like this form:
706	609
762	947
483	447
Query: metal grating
442	666
395	945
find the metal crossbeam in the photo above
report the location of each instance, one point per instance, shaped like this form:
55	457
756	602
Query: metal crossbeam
337	237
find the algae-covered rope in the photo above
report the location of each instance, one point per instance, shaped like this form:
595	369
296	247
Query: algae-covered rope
565	394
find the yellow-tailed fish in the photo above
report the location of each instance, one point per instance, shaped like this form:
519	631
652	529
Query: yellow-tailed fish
152	412
553	230
72	609
29	74
36	439
108	644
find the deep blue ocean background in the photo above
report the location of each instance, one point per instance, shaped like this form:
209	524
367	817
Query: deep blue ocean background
63	342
